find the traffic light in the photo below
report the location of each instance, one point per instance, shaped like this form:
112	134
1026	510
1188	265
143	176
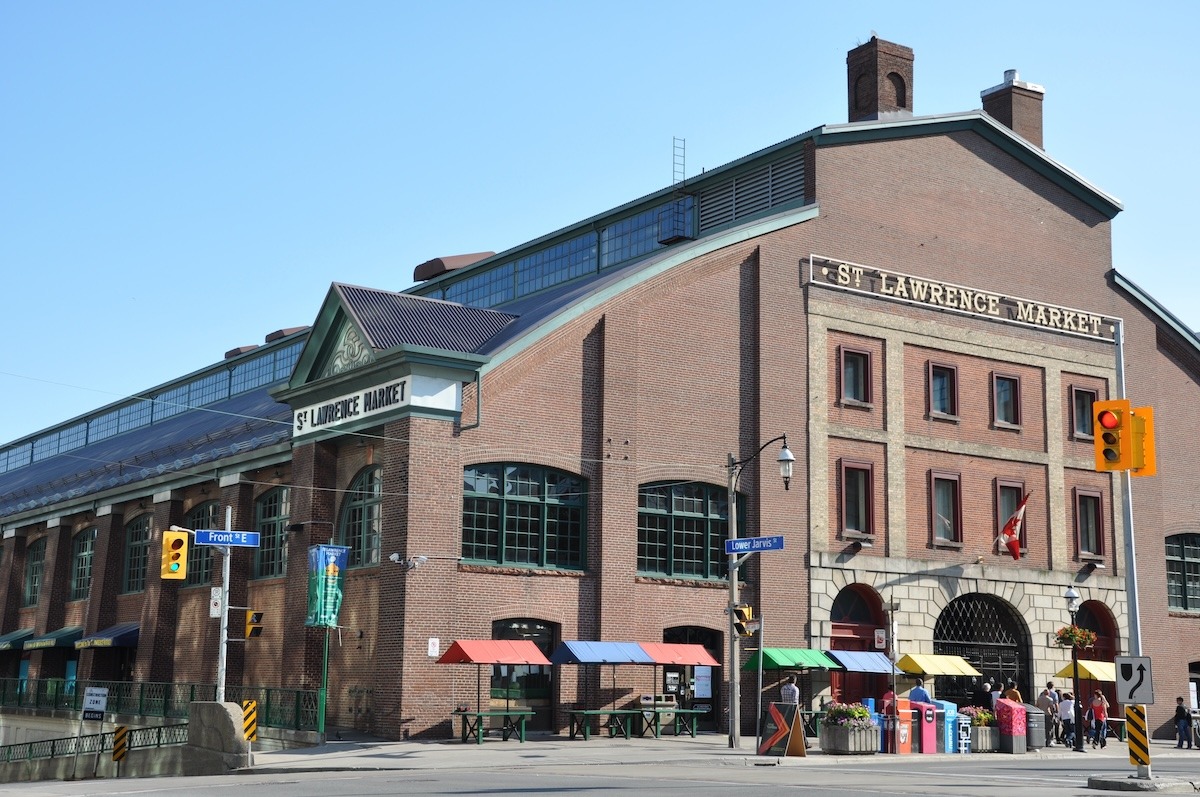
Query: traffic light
1112	428
174	554
1144	460
253	624
743	616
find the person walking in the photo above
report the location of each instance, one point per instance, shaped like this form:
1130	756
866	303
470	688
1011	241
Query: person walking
1099	708
1013	693
1066	716
983	698
1048	703
1183	723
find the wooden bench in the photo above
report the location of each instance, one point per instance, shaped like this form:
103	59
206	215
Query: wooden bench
512	723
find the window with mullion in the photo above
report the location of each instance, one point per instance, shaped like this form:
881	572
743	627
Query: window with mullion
271	512
1006	400
83	547
361	517
1089	522
1008	497
35	562
1183	572
943	390
137	554
856	376
200	557
857	498
523	515
946	507
682	530
1081	412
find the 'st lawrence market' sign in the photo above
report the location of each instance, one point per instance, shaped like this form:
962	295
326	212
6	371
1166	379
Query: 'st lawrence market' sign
351	407
957	298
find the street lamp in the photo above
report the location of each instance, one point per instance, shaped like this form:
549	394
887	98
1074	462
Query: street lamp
735	467
1072	598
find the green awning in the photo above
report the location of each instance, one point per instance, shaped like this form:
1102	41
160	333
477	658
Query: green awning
62	638
792	659
13	639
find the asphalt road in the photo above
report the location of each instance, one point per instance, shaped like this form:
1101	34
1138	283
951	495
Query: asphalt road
979	777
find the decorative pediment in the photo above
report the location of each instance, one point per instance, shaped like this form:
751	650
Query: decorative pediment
349	351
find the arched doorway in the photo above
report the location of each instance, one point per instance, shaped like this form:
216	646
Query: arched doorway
526	685
991	636
857	611
1096	616
694	686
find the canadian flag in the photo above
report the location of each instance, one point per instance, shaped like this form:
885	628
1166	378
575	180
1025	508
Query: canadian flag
1010	535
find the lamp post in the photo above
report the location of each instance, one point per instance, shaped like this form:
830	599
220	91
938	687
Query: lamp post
1072	598
735	467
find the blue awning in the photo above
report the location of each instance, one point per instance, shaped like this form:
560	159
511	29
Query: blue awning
62	638
13	639
864	661
124	635
586	652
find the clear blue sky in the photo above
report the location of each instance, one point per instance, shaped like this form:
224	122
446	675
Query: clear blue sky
181	178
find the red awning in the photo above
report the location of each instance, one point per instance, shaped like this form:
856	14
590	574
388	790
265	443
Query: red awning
493	651
668	653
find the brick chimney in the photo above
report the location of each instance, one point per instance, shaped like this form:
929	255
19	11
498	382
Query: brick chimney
1017	105
879	78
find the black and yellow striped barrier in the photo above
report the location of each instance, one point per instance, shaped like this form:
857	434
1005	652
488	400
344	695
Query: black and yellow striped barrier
1136	736
250	719
120	742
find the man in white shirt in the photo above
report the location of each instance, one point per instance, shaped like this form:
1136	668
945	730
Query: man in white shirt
789	692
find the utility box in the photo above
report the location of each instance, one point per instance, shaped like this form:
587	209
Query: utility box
662	705
1010	716
1035	727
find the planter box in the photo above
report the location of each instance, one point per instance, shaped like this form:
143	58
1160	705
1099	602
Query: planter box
985	739
849	741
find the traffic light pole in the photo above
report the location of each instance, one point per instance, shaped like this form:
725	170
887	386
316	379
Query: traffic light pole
226	550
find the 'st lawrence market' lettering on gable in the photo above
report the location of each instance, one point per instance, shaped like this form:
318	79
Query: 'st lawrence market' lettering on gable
351	407
946	295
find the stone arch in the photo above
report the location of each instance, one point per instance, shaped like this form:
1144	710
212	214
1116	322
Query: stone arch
856	612
992	636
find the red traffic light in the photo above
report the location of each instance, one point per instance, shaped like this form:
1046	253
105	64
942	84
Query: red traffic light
1108	419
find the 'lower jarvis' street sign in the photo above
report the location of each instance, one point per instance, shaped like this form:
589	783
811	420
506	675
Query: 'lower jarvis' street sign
241	539
752	544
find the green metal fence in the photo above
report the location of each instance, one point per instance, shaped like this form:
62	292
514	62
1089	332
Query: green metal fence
93	744
288	709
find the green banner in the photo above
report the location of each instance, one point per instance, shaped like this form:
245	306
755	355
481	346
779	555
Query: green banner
326	580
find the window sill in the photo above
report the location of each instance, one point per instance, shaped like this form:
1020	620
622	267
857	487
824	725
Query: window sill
856	404
851	534
950	544
943	416
1088	557
1006	426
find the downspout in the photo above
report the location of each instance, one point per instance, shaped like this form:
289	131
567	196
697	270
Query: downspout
478	406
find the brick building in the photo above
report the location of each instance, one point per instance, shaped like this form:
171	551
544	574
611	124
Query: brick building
535	444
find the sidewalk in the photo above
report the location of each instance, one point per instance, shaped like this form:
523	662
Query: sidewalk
707	749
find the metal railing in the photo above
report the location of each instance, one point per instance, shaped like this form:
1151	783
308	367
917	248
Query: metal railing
94	743
288	709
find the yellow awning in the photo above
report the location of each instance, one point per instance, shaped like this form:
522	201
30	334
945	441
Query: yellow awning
935	664
1092	670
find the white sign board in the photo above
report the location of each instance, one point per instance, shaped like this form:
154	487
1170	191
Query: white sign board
434	647
702	675
1134	684
880	638
214	602
95	702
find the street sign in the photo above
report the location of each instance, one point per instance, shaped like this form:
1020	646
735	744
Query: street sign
95	702
215	602
754	544
239	539
1134	684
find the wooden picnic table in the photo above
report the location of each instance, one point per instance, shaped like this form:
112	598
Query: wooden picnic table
684	720
512	722
620	721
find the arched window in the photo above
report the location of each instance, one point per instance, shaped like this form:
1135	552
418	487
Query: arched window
271	519
1183	572
200	557
361	517
523	515
35	561
137	553
83	546
682	530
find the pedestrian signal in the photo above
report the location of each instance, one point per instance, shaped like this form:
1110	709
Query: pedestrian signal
253	624
743	616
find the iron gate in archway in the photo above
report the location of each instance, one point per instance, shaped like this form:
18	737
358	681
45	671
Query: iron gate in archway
991	636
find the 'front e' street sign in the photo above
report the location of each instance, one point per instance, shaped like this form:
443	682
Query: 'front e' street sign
754	544
240	539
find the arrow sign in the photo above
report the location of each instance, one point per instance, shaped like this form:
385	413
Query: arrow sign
754	544
1135	686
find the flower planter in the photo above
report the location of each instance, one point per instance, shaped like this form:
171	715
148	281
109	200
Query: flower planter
985	738
837	740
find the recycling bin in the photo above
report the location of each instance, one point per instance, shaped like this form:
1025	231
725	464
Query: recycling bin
1035	727
947	726
662	705
1010	716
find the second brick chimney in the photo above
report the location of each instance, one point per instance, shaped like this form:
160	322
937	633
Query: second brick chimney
1017	105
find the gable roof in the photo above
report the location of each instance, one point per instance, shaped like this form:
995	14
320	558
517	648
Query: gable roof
390	320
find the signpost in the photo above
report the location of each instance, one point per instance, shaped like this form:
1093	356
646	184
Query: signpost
95	703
